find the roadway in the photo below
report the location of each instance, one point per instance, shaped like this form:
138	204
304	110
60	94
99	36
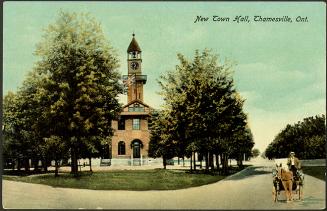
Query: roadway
248	189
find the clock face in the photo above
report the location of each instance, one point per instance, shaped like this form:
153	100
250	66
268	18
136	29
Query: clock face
134	65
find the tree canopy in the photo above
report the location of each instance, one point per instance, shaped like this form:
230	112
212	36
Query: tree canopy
71	96
202	112
307	138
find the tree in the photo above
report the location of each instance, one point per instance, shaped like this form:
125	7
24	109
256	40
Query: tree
306	138
22	112
202	106
12	147
56	150
161	141
255	153
83	82
67	103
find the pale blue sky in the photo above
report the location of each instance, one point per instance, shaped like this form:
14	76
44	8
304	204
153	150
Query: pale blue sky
281	67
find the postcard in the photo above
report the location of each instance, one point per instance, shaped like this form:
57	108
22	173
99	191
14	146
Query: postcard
164	105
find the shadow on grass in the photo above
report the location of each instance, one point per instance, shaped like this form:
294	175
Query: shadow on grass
135	180
25	173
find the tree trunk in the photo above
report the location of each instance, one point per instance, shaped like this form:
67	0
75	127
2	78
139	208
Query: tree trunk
207	161
183	162
164	161
217	161
74	165
90	159
56	168
191	162
211	161
221	160
225	164
194	162
240	161
177	160
18	164
45	164
35	164
26	164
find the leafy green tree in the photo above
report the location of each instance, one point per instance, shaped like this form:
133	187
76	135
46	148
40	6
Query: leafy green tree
12	148
307	138
82	83
204	110
161	143
255	153
22	115
56	150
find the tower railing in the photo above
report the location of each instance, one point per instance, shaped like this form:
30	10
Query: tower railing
135	77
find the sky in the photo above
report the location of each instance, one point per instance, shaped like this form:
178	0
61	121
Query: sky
280	67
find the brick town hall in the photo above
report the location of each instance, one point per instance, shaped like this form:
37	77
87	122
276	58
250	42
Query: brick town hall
130	142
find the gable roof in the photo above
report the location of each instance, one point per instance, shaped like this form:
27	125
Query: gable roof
136	101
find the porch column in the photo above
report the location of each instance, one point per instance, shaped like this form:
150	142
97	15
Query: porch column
141	159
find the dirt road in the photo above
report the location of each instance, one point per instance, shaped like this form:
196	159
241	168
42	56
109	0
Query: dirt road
249	189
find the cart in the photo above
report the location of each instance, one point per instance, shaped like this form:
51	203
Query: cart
298	182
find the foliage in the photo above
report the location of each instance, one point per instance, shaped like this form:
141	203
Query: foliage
72	93
306	138
255	153
202	111
161	143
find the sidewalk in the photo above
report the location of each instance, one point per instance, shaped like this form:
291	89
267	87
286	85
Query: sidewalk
143	167
116	167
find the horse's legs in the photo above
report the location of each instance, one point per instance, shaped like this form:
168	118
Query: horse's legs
285	185
290	186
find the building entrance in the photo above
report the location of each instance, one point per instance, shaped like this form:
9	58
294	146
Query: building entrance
136	145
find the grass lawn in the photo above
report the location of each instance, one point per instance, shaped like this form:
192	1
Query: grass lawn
157	179
315	171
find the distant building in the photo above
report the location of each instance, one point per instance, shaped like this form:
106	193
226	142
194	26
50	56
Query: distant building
130	143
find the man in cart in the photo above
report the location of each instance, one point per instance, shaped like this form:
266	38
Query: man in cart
294	164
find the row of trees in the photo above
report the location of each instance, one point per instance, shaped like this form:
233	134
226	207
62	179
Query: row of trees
66	104
202	113
306	138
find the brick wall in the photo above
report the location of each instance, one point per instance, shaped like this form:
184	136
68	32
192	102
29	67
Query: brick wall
128	135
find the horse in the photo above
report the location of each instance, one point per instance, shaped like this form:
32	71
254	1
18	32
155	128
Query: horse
286	176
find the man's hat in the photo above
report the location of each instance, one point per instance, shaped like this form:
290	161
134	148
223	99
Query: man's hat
292	153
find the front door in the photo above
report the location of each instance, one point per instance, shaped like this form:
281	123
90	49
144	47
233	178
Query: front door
136	150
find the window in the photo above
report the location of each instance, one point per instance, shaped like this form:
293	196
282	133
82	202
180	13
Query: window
121	148
121	124
136	107
136	124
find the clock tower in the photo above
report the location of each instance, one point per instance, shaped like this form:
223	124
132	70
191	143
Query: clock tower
130	142
134	80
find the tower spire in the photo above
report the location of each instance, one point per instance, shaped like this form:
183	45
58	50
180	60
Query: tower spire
133	46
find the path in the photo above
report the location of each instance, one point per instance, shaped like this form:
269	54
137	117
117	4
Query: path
249	189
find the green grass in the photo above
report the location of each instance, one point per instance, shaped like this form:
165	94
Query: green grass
157	179
315	171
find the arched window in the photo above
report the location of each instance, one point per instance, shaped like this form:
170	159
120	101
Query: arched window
121	148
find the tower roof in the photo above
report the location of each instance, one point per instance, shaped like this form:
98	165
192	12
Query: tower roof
133	46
